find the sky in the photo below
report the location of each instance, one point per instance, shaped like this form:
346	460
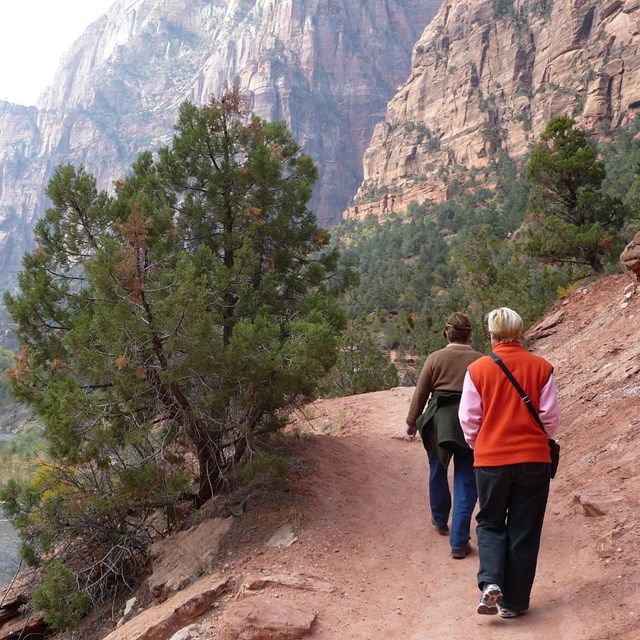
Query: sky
33	36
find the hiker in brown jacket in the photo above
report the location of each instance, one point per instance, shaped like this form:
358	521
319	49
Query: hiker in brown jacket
440	385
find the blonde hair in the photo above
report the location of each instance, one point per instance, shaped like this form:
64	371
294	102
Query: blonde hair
505	325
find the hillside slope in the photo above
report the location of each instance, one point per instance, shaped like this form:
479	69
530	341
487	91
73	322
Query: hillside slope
365	562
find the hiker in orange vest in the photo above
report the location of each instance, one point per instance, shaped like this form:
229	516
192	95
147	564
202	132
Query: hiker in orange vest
512	462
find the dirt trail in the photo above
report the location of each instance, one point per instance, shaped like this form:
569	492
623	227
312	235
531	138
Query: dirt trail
368	532
366	525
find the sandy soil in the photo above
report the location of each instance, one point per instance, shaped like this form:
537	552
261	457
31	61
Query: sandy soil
360	503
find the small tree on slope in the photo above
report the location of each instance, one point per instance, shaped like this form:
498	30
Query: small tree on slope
575	222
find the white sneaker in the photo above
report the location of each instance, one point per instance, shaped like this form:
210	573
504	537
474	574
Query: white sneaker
491	595
510	613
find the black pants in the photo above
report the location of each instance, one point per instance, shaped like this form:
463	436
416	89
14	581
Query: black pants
512	499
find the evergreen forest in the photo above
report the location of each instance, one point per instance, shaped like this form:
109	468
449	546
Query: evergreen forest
515	234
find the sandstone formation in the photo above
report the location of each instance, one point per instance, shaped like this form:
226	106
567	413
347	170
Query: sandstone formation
398	202
630	257
16	617
21	183
328	68
261	619
161	621
483	82
177	560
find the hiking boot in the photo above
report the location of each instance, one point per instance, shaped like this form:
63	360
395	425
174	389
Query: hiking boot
442	529
491	595
510	613
459	554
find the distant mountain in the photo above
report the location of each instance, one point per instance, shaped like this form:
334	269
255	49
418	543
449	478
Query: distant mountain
487	76
328	67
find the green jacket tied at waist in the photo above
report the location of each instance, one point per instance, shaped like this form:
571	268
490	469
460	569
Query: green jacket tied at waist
439	425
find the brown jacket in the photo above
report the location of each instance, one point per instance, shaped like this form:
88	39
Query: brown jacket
443	370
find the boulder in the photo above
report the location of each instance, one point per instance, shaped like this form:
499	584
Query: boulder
178	560
259	618
183	609
630	257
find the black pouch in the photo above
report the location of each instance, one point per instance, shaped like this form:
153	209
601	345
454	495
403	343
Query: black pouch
554	449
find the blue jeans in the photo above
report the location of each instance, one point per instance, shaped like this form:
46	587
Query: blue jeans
465	494
513	499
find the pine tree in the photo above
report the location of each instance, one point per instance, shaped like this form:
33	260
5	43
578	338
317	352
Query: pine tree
574	221
176	320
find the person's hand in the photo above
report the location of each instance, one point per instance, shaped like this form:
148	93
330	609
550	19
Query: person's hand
411	431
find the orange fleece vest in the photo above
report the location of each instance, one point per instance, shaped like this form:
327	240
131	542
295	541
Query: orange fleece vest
508	432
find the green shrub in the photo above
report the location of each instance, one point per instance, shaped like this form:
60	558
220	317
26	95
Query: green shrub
273	465
362	366
59	598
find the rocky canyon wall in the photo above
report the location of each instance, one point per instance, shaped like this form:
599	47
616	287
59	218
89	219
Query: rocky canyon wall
487	76
328	67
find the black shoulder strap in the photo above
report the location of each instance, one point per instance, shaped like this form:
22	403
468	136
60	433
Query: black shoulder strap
527	400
